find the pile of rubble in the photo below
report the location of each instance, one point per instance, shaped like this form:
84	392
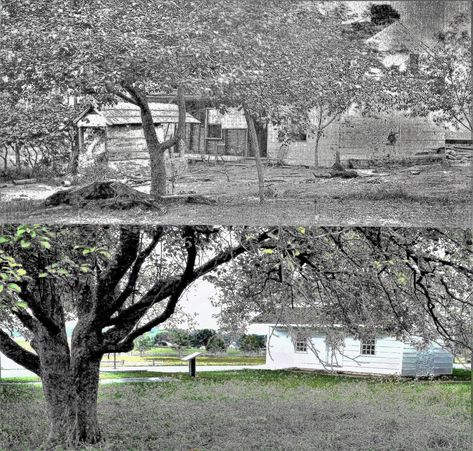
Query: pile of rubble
459	153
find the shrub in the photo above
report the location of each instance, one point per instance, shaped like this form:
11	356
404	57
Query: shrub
215	344
252	343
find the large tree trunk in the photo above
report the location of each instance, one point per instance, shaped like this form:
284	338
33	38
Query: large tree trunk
316	148
70	377
73	166
58	387
156	155
155	148
253	139
86	378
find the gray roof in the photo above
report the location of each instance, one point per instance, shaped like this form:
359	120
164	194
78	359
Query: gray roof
398	38
123	113
288	316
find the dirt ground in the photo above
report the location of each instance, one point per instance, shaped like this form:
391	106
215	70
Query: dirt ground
428	195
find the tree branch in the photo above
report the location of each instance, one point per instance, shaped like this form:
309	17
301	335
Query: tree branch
18	354
132	279
127	319
112	90
125	256
190	237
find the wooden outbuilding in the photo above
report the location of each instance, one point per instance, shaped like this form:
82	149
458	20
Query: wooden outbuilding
116	131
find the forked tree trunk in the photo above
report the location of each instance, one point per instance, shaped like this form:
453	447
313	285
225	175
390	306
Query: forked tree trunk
253	138
155	148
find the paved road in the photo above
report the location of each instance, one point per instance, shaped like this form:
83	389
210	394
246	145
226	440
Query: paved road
158	369
185	369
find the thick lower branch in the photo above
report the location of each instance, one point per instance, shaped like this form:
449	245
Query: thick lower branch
18	354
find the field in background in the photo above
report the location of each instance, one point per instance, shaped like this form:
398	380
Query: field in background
254	410
168	356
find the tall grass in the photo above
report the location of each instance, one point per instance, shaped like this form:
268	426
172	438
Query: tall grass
285	412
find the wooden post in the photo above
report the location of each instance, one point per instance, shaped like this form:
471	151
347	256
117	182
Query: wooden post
192	367
192	362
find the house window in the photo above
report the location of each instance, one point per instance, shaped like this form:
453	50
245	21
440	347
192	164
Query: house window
299	136
300	344
214	131
368	346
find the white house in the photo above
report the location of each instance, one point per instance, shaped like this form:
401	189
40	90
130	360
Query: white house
294	346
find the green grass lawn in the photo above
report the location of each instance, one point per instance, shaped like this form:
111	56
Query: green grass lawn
260	410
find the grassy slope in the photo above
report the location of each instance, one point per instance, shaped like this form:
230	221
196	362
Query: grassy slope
260	410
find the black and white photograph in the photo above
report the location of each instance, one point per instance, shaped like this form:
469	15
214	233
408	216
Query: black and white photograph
236	225
255	112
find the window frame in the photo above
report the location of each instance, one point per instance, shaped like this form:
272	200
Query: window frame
213	137
301	345
366	345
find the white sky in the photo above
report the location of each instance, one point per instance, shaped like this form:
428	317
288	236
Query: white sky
197	301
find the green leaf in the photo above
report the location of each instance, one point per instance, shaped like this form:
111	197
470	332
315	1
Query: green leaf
301	230
4	239
22	304
267	251
25	244
45	244
105	254
42	275
14	287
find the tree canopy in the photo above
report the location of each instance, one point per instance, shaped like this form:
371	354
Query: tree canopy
405	282
438	84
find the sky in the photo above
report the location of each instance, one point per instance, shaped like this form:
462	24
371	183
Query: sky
197	300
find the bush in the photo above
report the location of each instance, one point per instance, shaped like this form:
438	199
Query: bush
201	337
144	343
215	344
252	343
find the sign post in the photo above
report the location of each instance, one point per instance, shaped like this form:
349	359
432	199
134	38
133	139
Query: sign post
192	362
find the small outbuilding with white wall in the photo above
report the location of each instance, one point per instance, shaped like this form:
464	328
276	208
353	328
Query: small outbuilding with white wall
296	346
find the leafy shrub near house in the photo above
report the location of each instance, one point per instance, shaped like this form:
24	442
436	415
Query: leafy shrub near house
252	343
215	344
